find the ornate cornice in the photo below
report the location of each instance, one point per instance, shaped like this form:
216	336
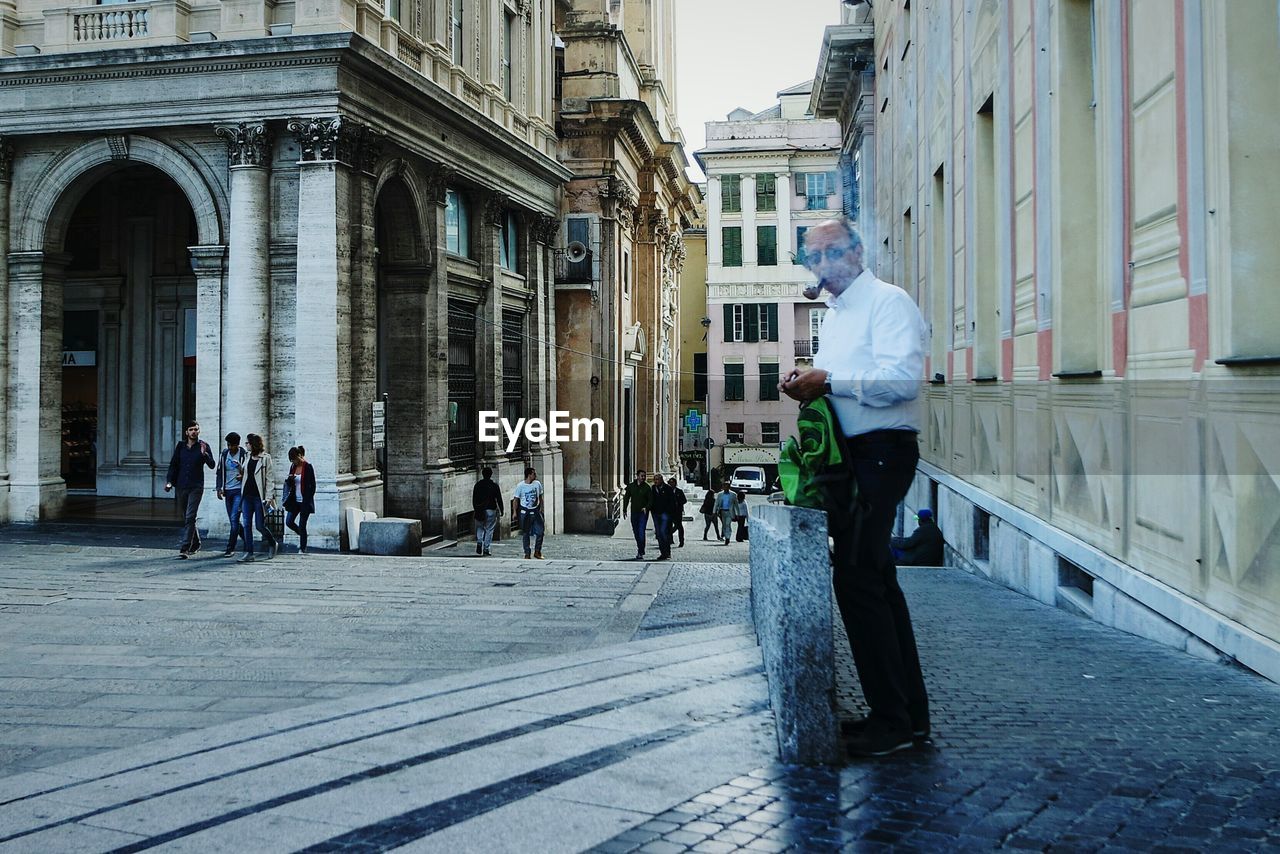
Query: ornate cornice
623	197
436	178
132	72
248	143
6	158
331	139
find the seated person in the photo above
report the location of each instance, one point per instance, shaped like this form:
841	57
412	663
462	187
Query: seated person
924	547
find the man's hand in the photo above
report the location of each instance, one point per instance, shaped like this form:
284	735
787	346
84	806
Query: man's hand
220	495
804	386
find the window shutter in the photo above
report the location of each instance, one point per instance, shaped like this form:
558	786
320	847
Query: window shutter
772	311
728	322
752	323
833	182
799	182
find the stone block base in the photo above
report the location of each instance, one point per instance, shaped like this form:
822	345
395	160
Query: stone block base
391	536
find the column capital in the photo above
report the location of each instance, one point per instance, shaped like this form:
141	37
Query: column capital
438	177
6	158
327	139
545	228
495	207
248	143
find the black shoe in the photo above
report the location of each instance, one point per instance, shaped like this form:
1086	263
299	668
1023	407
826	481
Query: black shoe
228	553
183	555
486	553
479	549
528	556
302	550
194	548
245	558
272	548
857	726
877	740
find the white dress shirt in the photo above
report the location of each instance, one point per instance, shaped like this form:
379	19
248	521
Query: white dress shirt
872	344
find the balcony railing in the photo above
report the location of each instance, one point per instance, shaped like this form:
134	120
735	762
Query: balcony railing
806	348
116	25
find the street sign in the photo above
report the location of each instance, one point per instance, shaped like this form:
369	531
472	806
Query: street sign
710	442
379	425
693	421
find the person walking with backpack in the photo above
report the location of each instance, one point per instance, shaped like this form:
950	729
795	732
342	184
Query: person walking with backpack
229	477
300	495
186	472
708	511
258	494
870	368
486	502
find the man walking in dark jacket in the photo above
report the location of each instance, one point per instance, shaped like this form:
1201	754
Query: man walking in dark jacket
638	496
186	472
664	507
924	547
486	501
677	520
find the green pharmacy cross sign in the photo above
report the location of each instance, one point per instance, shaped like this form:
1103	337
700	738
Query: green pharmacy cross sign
693	421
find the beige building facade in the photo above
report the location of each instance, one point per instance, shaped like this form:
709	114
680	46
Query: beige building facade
1082	197
627	205
694	324
267	217
771	176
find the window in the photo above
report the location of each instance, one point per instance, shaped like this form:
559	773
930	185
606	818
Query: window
731	194
767	245
699	376
800	230
766	192
732	246
815	187
815	326
734	384
751	322
394	10
509	243
735	432
462	380
769	321
769	432
457	224
734	324
455	28
512	365
769	381
508	40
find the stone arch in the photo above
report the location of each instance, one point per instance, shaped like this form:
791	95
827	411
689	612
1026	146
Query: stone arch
60	187
399	171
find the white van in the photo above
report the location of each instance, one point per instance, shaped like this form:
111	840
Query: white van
749	479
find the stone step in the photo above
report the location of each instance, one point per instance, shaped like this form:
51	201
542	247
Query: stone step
572	750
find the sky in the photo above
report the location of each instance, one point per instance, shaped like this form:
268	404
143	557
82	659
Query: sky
740	53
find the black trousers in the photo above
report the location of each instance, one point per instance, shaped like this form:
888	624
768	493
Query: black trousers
866	583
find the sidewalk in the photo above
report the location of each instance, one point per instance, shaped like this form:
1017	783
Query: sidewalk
1050	732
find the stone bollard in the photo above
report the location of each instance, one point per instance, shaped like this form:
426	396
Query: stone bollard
791	602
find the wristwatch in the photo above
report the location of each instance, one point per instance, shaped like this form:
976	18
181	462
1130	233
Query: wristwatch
826	387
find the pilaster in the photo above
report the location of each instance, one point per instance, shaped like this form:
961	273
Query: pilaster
782	193
209	264
6	167
36	488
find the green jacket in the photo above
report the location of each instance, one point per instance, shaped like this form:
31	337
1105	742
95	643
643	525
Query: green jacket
639	496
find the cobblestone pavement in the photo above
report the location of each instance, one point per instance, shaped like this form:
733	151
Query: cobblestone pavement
1050	732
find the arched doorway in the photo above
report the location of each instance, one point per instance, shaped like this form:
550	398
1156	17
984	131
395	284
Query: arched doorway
403	268
128	333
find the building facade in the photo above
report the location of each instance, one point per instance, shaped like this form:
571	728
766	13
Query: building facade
694	332
268	217
629	201
770	176
1082	196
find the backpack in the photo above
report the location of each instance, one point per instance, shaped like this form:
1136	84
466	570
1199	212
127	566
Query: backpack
814	466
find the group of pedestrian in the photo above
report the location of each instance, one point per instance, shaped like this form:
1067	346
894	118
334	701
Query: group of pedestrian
720	510
527	510
661	499
245	482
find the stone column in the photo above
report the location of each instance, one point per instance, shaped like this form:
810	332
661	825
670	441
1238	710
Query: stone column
489	368
209	264
435	341
6	165
246	340
322	337
36	488
782	195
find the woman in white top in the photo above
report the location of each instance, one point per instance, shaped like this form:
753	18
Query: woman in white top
257	494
